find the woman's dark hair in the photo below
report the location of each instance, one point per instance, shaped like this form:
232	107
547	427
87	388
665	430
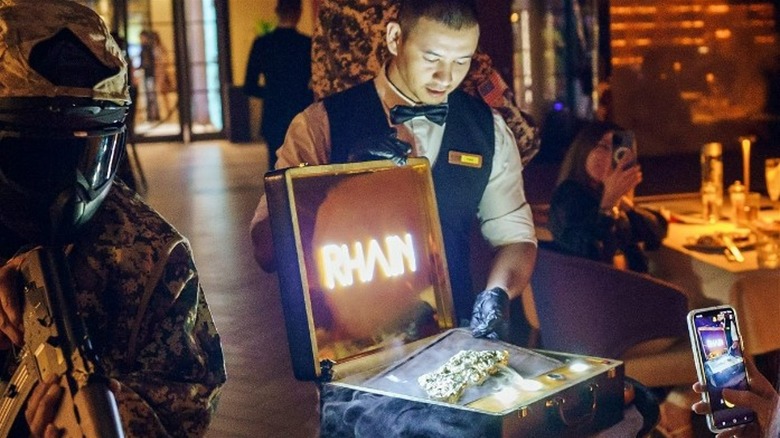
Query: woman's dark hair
455	14
587	138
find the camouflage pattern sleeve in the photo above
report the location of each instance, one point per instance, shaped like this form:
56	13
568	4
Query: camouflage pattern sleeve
484	81
140	295
348	48
175	385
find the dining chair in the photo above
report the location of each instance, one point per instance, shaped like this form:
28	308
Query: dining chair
586	307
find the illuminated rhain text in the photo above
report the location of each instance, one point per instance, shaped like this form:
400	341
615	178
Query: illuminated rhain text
340	266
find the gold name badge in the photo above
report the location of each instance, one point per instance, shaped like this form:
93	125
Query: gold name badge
464	159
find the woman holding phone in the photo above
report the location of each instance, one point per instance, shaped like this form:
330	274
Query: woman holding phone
592	213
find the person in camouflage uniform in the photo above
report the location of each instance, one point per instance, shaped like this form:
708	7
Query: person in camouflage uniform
63	101
348	48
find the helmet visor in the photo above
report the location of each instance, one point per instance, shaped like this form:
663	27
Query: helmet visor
46	165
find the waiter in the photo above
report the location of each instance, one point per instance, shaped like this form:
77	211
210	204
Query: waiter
413	107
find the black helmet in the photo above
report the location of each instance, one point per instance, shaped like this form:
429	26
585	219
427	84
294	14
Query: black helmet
63	102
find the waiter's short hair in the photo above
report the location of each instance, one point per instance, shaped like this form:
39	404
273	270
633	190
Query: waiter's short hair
455	14
288	9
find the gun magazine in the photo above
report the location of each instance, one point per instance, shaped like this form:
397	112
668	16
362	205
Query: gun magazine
14	397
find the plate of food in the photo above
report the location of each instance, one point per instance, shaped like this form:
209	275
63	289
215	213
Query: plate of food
767	226
714	243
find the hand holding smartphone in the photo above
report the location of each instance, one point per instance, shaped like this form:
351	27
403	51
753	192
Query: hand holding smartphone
717	349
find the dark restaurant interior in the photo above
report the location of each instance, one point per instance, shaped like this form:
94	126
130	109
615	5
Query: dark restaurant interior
678	73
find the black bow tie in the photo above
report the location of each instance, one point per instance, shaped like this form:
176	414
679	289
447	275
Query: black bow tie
435	113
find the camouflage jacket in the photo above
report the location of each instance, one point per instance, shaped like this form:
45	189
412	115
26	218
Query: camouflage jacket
348	48
138	291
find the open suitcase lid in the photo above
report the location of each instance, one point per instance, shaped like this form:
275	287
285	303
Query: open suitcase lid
360	260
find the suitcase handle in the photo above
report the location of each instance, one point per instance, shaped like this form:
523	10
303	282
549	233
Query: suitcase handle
560	402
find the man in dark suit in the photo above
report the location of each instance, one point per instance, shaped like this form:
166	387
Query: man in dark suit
279	71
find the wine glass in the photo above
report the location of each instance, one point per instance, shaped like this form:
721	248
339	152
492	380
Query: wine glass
772	173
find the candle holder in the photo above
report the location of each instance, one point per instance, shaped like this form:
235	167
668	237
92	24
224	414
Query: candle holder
746	141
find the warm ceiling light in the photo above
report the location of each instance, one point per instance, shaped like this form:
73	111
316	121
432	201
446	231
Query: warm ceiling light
717	9
723	34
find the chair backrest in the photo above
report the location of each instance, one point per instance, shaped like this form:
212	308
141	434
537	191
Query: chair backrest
588	307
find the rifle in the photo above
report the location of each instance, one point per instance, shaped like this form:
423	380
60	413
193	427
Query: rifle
56	342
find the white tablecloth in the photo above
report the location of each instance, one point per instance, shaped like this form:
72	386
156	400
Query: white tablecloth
711	278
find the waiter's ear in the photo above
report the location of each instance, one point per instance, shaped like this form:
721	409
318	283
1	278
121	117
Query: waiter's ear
393	37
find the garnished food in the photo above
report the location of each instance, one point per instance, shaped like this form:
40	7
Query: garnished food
709	240
467	368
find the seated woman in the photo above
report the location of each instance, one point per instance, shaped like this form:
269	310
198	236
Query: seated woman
592	213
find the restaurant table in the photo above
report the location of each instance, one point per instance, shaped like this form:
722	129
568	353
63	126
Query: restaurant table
710	278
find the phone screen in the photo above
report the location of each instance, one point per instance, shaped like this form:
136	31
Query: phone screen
622	144
721	361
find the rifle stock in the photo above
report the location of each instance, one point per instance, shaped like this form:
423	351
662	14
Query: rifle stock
56	343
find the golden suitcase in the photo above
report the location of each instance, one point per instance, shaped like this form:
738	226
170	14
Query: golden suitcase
368	310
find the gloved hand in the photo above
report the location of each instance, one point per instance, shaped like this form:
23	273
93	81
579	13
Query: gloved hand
385	146
490	317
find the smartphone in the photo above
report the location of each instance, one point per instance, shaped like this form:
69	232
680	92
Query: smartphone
622	144
717	349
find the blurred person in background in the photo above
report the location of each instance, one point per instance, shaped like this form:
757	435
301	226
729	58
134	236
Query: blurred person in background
149	66
592	213
279	71
164	83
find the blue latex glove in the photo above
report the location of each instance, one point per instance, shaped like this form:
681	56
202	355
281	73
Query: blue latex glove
385	146
490	317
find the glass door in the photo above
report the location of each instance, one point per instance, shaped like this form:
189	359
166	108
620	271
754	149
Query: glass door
200	38
173	47
154	57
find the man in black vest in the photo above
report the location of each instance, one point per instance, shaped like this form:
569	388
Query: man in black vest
414	108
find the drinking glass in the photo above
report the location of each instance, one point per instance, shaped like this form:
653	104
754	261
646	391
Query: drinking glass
752	205
772	173
768	251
